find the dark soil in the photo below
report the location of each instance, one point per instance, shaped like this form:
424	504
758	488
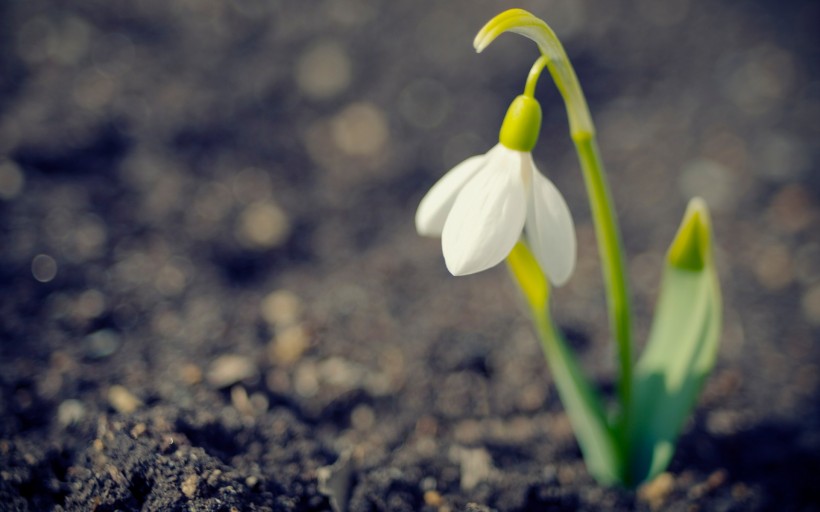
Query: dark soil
213	297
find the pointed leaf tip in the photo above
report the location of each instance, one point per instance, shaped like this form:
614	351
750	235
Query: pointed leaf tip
691	247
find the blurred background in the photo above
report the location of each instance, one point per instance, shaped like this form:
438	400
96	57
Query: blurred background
206	228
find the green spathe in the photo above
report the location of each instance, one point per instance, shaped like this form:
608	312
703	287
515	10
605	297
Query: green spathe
521	125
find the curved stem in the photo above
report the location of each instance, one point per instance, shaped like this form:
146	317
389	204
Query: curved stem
535	74
610	247
607	233
524	23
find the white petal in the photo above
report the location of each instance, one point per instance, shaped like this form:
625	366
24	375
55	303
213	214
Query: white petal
550	230
488	215
436	204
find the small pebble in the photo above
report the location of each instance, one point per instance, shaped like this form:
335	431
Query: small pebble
657	490
168	444
341	372
715	480
263	225
70	412
189	486
90	304
476	466
259	402
362	418
116	475
191	374
467	431
428	483
306	380
240	401
229	369
138	430
122	400
568	475
277	381
281	308
289	345
561	429
532	397
433	499
214	478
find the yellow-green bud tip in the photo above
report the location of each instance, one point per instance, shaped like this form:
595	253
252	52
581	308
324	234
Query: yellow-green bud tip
521	124
691	248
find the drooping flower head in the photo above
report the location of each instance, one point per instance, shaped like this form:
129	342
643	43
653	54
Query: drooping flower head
482	206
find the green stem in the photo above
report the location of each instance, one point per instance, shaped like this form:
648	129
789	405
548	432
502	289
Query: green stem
606	233
608	236
582	131
612	266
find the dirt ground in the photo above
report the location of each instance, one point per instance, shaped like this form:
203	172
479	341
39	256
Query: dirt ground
213	296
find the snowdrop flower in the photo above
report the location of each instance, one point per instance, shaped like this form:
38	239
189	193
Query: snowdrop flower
481	207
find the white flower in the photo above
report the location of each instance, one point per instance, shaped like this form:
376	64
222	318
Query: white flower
481	207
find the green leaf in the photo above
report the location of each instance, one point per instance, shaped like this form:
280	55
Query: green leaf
681	349
594	434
